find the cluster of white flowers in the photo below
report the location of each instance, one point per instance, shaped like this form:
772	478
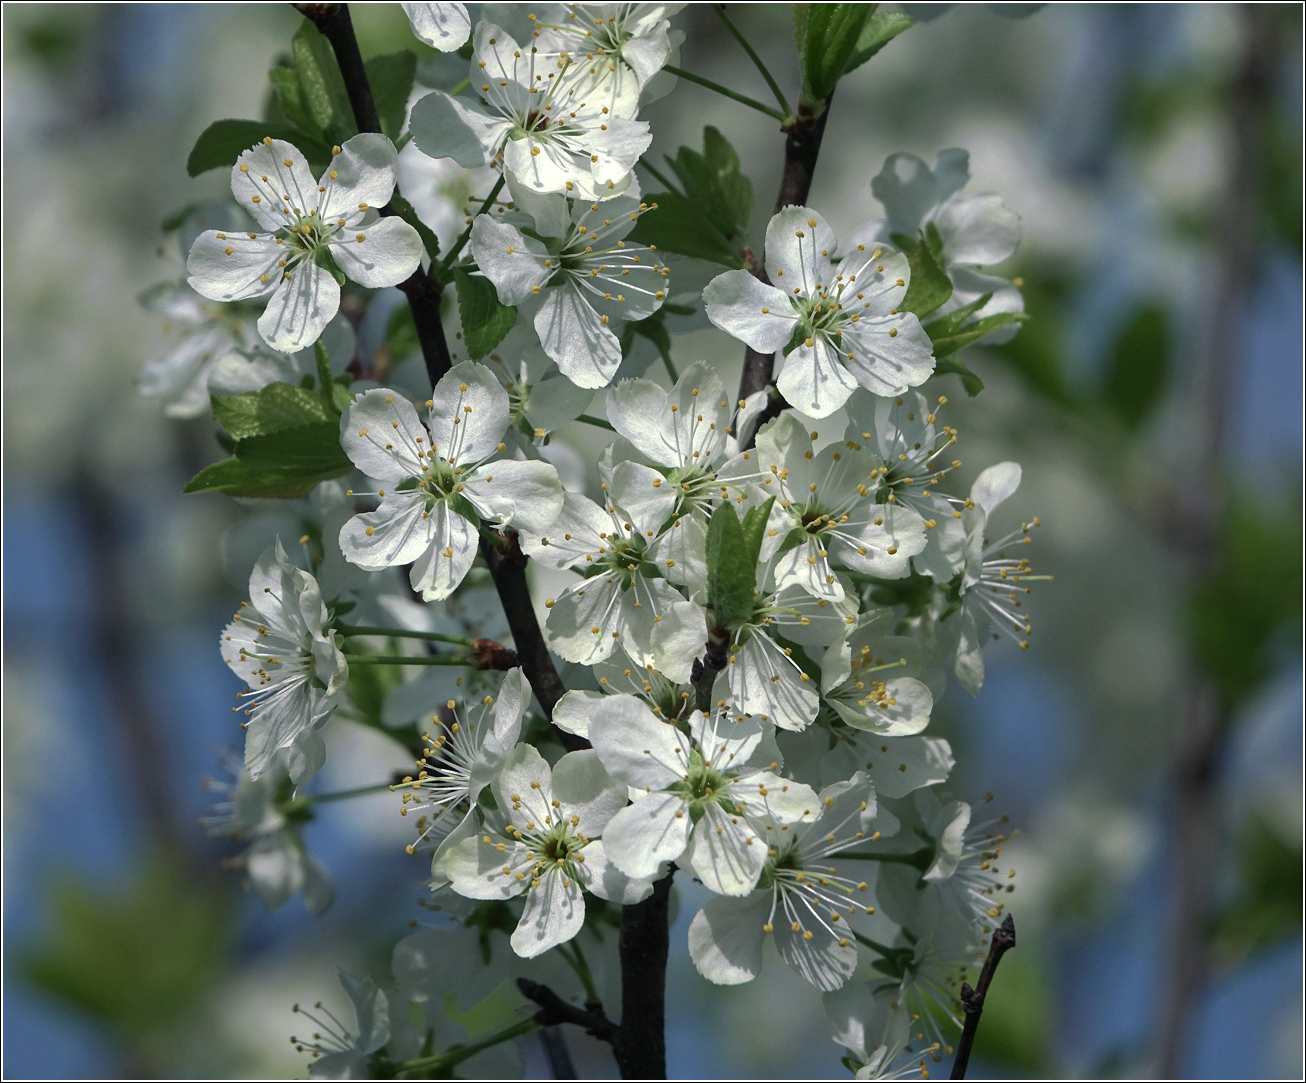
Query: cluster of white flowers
774	750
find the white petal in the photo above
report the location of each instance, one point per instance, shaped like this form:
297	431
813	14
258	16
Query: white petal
572	713
753	312
896	767
680	553
909	189
233	266
573	335
609	882
572	537
509	259
814	380
585	789
766	794
644	495
636	409
442	26
398	532
994	485
725	852
526	780
765	683
908	715
799	243
890	353
303	304
469	412
264	182
444	127
644	834
725	938
823	960
635	745
390	251
526	494
437	572
678	638
898	528
882	274
585	621
553	914
383	437
475	868
977	230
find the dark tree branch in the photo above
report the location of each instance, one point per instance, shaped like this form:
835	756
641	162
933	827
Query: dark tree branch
554	1011
705	670
972	1000
641	1045
557	1054
803	138
506	561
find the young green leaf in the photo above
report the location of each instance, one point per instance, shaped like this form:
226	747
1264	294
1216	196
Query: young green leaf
731	575
827	36
880	29
674	224
972	383
754	528
273	409
322	88
485	320
945	345
930	285
288	463
288	95
714	185
950	324
391	80
223	141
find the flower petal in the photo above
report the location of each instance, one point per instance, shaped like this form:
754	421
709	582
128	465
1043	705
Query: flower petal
387	253
607	881
799	244
383	437
234	266
438	571
814	380
509	259
442	26
725	938
269	189
635	745
644	834
469	411
757	314
585	789
553	914
476	868
299	310
527	494
573	335
398	532
724	852
444	127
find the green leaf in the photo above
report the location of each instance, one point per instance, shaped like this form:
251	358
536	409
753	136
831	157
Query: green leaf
485	320
731	575
405	210
827	36
880	29
273	409
321	86
223	141
290	96
1136	375
951	323
944	345
754	528
496	1012
930	285
714	185
972	383
283	464
391	79
323	258
674	224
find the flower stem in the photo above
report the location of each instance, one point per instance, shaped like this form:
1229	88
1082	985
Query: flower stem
409	660
402	633
581	967
590	419
342	795
461	243
460	87
743	99
757	60
921	859
671	368
432	1067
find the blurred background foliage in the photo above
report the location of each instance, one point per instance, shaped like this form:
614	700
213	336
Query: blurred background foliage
1112	129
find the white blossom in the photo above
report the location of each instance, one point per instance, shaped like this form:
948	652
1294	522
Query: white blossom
543	841
972	231
458	763
827	511
442	26
281	646
582	279
875	1029
801	899
338	1050
896	765
841	317
623	600
619	674
254	810
443	478
444	194
702	792
873	686
540	117
626	44
312	228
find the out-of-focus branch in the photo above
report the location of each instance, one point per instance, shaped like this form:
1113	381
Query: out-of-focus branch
554	1010
972	1000
1193	811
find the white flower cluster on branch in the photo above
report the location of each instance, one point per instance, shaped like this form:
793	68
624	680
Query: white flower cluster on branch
747	607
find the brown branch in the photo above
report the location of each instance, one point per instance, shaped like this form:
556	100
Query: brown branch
506	561
705	670
641	1045
555	1011
972	1000
803	138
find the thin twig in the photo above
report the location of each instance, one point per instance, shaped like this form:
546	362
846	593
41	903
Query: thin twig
742	99
757	60
554	1011
972	1000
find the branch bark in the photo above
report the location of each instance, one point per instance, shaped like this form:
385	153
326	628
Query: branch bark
507	562
802	145
555	1011
972	1000
641	1046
